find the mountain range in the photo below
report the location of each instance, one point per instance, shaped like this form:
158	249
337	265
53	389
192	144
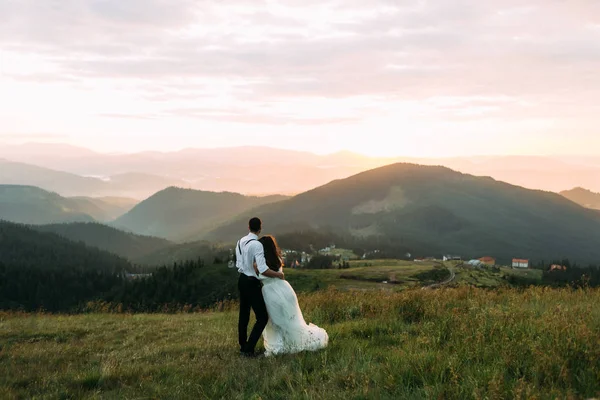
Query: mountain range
127	185
261	170
32	205
436	210
185	214
403	206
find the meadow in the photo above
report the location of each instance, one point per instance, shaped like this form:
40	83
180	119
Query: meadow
362	275
400	275
456	343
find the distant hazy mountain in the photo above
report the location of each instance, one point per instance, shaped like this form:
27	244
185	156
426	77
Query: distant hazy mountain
250	170
184	214
127	245
32	205
135	185
436	210
583	197
262	170
107	208
532	172
21	246
67	184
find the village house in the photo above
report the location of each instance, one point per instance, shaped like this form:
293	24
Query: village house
488	260
451	258
556	267
520	263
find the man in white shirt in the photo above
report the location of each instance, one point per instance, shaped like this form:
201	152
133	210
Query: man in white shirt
248	251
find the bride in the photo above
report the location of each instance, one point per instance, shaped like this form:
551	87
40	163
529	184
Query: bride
286	332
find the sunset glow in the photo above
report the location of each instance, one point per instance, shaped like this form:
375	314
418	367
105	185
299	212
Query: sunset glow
423	78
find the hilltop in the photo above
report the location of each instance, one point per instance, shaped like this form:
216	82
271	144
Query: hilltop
437	211
32	205
583	197
185	214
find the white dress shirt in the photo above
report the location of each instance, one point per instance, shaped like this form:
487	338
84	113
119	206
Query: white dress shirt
251	251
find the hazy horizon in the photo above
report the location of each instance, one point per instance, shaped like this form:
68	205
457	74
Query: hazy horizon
422	79
26	144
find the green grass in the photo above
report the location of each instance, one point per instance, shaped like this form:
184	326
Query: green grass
462	343
487	277
400	275
363	274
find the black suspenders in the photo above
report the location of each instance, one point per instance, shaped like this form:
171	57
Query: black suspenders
240	246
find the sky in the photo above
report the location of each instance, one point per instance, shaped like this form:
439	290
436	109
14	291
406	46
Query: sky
382	78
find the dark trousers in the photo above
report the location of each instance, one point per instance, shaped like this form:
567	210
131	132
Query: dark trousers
251	298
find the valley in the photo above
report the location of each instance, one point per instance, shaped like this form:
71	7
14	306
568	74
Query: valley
118	297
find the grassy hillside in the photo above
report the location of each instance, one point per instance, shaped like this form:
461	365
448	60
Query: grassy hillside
185	214
32	205
24	247
583	197
434	210
128	245
448	344
362	275
397	275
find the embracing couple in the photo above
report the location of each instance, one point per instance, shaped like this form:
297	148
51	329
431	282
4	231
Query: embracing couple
263	289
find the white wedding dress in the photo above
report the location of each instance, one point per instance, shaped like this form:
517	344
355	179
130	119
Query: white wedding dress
287	332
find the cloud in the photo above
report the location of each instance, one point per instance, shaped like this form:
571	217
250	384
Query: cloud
127	116
247	53
31	136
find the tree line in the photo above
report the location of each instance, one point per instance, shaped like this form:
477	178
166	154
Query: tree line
191	284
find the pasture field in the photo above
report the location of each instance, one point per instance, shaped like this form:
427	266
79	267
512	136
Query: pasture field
399	275
455	343
364	274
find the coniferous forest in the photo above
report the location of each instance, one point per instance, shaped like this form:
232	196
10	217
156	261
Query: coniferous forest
42	271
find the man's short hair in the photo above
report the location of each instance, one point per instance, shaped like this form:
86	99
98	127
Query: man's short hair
255	225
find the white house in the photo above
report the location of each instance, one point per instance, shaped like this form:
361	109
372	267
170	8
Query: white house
520	263
451	258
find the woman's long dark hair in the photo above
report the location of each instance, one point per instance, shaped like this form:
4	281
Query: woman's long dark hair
272	252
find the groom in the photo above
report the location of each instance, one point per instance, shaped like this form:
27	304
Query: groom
248	251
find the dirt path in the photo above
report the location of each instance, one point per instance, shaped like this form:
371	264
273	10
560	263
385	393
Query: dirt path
444	282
